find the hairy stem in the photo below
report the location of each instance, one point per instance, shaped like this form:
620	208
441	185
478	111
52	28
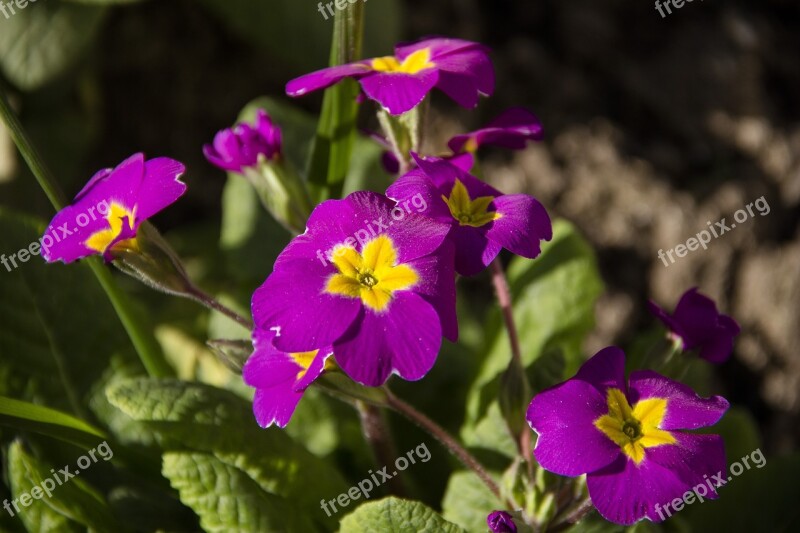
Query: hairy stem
376	433
447	440
212	303
504	299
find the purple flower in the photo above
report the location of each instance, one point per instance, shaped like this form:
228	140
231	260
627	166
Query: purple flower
501	522
111	207
280	379
698	325
372	280
461	69
512	129
244	145
482	220
628	439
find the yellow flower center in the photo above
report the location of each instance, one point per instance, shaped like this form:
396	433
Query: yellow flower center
413	64
100	241
470	212
373	276
304	359
635	428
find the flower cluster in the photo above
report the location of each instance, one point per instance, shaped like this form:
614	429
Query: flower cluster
381	297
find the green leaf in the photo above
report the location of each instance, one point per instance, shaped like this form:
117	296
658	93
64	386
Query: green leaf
227	499
467	501
554	298
197	417
393	515
57	329
74	499
31	417
38	516
39	43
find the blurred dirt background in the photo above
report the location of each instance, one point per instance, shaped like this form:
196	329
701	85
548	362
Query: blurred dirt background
654	126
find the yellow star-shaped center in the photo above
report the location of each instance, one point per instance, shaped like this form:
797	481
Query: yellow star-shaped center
634	429
373	275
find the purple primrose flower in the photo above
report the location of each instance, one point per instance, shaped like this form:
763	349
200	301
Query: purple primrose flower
501	522
245	145
698	325
482	220
369	278
628	438
280	379
111	207
512	129
460	69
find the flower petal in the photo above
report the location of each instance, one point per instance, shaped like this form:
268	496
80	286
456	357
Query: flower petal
522	226
624	493
398	92
403	340
685	409
161	186
293	300
569	444
474	251
322	79
604	370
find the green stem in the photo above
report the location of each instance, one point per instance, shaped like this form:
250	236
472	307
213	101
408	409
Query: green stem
145	344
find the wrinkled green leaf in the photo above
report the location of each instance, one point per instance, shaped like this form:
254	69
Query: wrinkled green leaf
226	499
393	515
74	499
193	416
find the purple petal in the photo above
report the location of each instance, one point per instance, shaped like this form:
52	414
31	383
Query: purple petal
685	409
501	522
416	183
322	79
294	300
437	285
606	369
463	161
444	175
404	339
625	493
474	251
398	92
569	444
720	346
512	129
523	224
160	188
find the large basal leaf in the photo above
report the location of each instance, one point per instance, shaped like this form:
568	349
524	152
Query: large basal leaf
74	500
197	417
57	329
393	515
554	298
226	499
41	41
467	501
